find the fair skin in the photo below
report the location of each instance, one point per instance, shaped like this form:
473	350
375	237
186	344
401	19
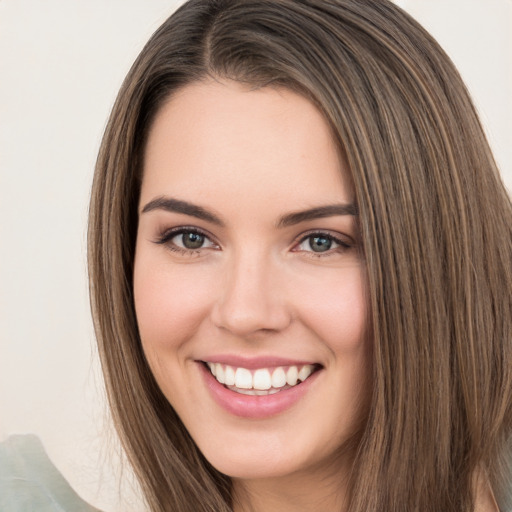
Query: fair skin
484	496
248	257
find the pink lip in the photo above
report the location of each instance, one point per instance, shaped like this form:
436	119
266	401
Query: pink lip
254	363
255	407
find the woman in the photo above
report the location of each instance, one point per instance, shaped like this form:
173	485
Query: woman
300	263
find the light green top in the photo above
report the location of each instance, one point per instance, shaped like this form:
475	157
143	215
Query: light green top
29	482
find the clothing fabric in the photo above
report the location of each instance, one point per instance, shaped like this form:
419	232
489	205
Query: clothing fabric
30	482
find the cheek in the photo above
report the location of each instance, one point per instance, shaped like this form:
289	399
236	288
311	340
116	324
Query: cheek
335	309
169	303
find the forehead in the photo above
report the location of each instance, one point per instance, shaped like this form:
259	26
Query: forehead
270	143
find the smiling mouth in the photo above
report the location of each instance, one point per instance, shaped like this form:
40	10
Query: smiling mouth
261	381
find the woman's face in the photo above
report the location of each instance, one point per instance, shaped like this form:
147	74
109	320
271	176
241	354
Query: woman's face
248	267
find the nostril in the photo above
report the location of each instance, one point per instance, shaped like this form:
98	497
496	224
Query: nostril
252	322
250	300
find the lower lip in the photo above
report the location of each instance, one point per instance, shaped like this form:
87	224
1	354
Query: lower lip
253	406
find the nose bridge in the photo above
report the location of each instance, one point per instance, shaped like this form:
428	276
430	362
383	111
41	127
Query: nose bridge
250	299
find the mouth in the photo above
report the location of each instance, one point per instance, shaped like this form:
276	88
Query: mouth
261	381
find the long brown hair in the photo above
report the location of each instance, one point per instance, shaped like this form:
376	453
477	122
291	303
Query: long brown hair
436	225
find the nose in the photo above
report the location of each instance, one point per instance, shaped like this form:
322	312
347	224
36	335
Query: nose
252	299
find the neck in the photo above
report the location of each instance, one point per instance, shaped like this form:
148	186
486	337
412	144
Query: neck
292	493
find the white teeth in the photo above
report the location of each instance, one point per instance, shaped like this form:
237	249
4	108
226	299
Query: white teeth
254	392
243	378
278	378
292	375
305	372
219	373
246	391
229	376
262	379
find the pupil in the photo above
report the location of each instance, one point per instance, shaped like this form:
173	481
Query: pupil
320	243
192	240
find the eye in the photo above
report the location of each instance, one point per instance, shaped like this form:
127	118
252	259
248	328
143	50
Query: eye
189	240
186	240
321	243
315	243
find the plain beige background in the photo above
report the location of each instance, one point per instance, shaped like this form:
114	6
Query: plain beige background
61	64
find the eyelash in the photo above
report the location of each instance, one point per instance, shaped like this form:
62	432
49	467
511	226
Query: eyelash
166	237
343	245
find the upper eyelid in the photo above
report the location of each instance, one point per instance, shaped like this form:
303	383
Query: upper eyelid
342	245
170	233
326	232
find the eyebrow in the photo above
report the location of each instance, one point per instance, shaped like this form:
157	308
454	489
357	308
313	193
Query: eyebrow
178	206
319	212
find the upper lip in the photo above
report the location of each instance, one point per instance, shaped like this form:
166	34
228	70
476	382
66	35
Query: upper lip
252	363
